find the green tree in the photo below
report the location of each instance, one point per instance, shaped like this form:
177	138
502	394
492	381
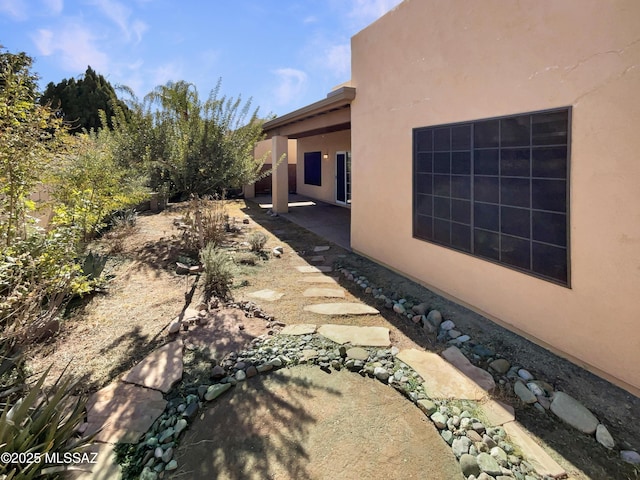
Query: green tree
80	101
30	135
201	147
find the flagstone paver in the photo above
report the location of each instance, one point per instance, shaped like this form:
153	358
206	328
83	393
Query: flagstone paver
535	455
320	279
267	295
321	248
300	329
455	357
123	411
105	468
441	379
324	292
160	370
341	309
357	336
312	269
317	259
498	413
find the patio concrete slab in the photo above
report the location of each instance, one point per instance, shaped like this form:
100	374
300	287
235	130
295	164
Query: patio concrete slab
123	411
320	279
341	309
267	295
535	455
301	329
324	292
357	336
456	358
160	370
311	269
441	379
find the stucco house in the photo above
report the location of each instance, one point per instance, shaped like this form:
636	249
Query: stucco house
490	151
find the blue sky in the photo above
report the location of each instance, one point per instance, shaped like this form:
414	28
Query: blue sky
283	53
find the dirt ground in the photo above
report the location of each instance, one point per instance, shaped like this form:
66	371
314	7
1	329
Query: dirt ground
109	333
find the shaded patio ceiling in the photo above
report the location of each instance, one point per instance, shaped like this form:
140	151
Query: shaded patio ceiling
331	114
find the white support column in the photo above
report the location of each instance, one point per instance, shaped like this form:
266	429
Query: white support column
280	174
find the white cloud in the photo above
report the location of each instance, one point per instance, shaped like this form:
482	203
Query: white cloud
337	59
16	9
310	19
119	14
53	7
169	72
292	84
76	46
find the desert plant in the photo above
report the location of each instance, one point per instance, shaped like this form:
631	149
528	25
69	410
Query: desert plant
218	272
257	241
35	421
125	218
207	220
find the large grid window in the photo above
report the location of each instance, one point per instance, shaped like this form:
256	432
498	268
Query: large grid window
497	189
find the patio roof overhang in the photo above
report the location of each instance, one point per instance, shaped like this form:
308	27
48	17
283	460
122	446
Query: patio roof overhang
331	114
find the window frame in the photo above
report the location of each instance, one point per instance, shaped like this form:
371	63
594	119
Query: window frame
424	195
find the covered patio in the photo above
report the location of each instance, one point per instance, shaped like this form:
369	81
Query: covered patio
330	222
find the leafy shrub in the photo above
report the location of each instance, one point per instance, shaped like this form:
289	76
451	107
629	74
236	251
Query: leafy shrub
34	419
257	241
218	272
125	218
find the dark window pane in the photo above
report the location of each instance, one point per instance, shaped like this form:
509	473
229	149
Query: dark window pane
486	216
461	162
461	237
423	227
549	195
550	227
442	207
486	134
442	162
442	139
424	204
485	162
486	189
515	251
550	261
441	231
460	186
486	244
550	162
425	162
514	162
514	191
441	185
461	137
424	140
515	221
514	131
423	183
461	211
550	128
313	168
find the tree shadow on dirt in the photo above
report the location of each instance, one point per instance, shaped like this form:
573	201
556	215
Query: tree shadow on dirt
256	430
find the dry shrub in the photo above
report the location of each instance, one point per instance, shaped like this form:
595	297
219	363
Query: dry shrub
207	220
218	272
257	241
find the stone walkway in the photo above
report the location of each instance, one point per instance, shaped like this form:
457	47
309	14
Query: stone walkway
125	410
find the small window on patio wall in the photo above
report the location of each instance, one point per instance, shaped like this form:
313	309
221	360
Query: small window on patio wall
313	168
497	189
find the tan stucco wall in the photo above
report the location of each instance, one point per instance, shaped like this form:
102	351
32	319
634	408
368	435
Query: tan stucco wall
327	144
430	62
264	148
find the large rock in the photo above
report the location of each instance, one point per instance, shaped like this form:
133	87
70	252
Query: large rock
569	410
469	465
604	438
521	390
488	464
214	391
